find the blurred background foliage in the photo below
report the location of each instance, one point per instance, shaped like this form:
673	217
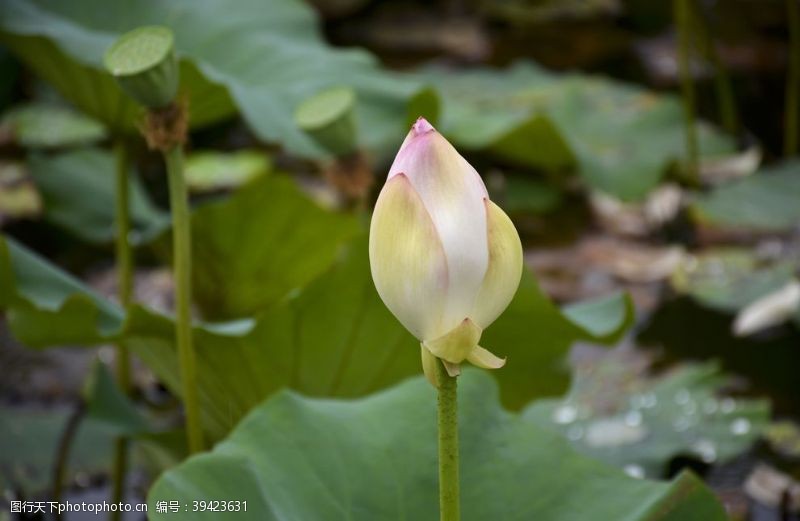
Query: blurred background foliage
569	109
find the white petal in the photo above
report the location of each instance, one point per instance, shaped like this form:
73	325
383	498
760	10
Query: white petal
453	193
505	267
407	260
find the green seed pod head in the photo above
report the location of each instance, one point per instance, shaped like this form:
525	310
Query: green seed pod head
143	62
328	118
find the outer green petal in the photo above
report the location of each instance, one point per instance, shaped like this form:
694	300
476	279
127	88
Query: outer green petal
408	264
429	365
505	267
454	346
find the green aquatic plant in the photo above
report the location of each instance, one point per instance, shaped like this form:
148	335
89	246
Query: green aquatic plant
144	63
446	261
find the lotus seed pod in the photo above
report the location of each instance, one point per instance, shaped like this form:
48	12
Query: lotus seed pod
328	118
144	64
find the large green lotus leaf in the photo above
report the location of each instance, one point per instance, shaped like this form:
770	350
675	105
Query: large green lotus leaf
622	137
254	247
47	306
251	248
375	459
77	188
535	335
640	423
728	279
336	338
765	201
109	406
35	35
50	125
268	56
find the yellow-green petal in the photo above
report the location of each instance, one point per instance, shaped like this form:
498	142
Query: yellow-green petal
429	365
408	264
505	267
480	357
457	344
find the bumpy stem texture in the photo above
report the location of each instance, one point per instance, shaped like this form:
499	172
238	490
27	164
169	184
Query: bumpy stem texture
448	445
682	10
182	268
124	261
793	82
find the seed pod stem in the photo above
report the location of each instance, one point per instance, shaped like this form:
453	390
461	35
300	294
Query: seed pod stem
182	268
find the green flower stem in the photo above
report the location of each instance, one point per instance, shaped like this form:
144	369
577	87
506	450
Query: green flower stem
182	251
682	15
448	445
792	114
124	261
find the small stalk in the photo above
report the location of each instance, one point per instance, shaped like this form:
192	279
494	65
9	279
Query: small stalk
726	101
182	250
682	16
792	115
63	451
124	261
448	445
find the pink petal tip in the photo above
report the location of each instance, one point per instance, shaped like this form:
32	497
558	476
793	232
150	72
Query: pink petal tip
422	127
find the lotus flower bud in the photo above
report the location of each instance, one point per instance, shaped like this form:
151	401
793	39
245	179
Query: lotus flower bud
445	259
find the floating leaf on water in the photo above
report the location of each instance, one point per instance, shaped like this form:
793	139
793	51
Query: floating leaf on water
634	471
77	187
682	397
633	418
740	426
728	279
613	432
706	449
41	125
208	171
654	418
727	405
565	414
282	58
622	138
764	202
